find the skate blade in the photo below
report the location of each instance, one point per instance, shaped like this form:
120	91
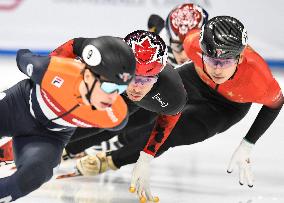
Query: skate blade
68	175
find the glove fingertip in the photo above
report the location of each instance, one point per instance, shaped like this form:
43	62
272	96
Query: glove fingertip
132	189
229	171
156	199
250	186
241	183
143	200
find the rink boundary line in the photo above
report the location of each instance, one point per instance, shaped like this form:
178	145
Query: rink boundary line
279	63
10	52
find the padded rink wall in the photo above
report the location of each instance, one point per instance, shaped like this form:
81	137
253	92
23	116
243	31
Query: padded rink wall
42	25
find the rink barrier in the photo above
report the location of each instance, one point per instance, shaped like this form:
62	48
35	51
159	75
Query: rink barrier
13	52
273	63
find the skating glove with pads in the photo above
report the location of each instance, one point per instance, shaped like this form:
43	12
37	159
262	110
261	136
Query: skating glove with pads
241	158
140	181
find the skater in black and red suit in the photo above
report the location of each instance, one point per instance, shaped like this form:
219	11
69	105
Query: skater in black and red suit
225	78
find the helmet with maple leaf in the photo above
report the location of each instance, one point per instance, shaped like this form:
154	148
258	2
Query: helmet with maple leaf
150	52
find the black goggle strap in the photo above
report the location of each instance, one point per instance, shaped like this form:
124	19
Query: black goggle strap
204	70
89	91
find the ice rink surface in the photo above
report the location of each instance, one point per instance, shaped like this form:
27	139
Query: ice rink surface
189	174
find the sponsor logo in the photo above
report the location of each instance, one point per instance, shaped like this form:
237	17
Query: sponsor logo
111	115
201	34
244	37
125	76
135	3
219	52
81	123
162	103
57	81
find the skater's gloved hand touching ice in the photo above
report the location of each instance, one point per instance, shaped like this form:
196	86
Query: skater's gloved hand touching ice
241	158
140	181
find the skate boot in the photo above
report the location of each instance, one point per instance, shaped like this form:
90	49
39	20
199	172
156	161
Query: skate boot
105	146
67	155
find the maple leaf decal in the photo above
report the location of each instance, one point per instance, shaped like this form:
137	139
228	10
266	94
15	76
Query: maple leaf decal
145	51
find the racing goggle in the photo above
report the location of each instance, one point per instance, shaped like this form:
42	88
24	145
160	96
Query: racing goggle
145	80
221	63
110	87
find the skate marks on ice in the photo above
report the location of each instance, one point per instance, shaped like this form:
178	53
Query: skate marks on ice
195	179
107	188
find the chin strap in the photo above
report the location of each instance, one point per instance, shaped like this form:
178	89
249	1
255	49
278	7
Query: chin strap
89	93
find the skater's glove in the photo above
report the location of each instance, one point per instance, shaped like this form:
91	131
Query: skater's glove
241	158
141	177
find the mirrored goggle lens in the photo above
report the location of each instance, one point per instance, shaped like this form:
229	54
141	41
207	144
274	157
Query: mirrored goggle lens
110	88
176	46
221	63
143	80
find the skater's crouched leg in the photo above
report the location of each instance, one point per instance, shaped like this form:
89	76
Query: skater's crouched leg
36	156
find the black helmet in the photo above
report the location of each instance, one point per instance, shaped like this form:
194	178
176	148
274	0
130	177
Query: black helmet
223	37
110	57
155	23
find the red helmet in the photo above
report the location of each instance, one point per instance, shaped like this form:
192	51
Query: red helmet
150	52
184	18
